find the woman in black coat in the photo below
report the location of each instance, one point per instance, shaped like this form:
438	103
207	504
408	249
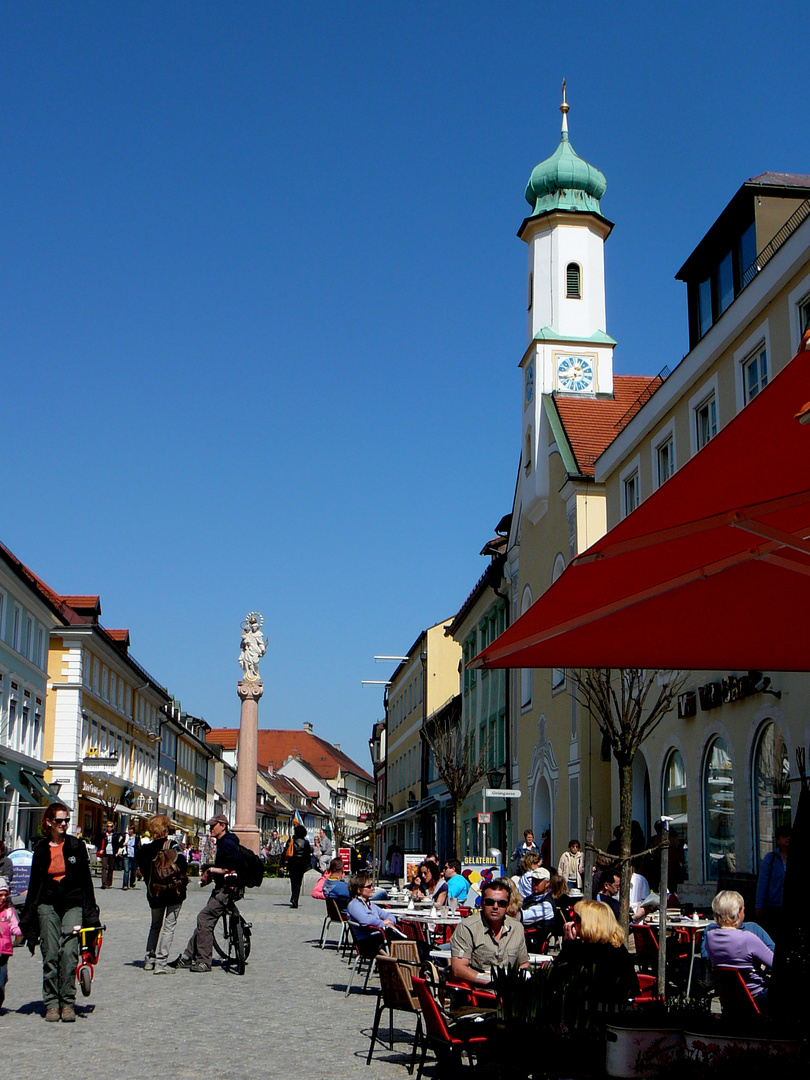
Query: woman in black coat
60	897
298	863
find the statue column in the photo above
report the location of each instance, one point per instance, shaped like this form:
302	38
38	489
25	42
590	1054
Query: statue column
246	828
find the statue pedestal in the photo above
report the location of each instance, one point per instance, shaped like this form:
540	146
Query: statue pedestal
246	828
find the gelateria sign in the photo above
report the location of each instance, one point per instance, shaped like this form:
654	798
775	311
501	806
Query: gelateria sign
89	788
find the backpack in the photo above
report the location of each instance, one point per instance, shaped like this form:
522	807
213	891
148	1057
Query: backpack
167	882
252	874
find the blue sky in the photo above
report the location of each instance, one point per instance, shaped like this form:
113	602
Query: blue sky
262	300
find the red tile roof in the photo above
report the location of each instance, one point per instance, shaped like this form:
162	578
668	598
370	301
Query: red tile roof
275	746
592	424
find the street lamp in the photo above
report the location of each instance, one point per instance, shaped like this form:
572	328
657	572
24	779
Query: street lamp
495	777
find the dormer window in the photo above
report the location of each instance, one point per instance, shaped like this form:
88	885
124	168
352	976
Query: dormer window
573	282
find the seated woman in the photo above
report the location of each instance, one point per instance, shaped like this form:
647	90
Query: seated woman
370	918
593	958
431	882
523	879
729	945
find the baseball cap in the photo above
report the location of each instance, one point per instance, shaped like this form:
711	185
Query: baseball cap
217	819
540	874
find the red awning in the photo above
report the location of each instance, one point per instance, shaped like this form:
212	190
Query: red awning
712	571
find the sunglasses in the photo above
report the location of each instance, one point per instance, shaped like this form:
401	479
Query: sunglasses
495	903
61	820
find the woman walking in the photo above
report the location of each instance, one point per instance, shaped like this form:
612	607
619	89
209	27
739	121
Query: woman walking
298	863
60	897
165	871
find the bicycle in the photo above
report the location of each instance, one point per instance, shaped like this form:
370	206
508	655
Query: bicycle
90	938
232	934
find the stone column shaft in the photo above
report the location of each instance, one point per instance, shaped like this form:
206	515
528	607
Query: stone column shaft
246	828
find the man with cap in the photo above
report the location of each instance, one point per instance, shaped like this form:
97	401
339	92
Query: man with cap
538	909
228	862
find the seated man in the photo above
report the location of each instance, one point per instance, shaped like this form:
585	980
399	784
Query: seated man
538	909
610	882
335	885
457	885
369	917
488	938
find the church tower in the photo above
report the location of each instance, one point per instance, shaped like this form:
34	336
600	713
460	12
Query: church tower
568	349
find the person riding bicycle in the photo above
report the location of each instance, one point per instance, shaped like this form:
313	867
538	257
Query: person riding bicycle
226	876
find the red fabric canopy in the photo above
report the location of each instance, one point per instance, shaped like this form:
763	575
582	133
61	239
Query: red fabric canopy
712	571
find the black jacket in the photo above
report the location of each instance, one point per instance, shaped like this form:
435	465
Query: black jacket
74	890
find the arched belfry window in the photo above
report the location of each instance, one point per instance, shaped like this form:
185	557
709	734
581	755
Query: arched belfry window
573	281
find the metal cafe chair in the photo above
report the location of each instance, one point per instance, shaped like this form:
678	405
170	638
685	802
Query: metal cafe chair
735	997
334	915
365	952
396	992
449	1044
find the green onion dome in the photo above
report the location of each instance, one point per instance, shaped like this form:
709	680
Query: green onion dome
564	181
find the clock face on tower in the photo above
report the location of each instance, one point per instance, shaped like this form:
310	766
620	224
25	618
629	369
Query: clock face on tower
528	389
574	373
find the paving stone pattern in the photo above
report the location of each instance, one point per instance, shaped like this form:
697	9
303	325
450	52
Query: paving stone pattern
287	1017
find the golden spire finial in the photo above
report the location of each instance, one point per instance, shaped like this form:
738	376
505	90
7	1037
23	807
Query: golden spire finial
564	111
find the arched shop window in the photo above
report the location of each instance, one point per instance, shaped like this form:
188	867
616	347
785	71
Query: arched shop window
720	841
675	804
771	788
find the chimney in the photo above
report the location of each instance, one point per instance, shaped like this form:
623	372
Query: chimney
336	745
308	727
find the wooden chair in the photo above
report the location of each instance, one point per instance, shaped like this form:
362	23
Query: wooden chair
396	992
407	951
449	1044
735	997
366	949
334	915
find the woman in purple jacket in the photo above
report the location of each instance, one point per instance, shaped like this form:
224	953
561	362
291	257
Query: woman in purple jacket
731	946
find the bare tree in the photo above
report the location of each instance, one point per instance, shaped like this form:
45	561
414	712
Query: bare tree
459	761
627	711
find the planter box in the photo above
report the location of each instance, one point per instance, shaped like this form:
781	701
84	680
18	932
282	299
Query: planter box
625	1044
789	1047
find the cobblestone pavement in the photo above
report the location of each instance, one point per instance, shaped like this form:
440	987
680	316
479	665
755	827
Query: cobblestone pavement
287	1017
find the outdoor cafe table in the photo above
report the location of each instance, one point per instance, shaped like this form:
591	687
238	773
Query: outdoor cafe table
692	928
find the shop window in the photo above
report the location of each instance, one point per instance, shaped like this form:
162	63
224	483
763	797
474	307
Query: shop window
772	805
675	802
720	842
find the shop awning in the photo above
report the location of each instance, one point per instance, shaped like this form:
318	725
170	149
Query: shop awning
12	775
47	791
711	571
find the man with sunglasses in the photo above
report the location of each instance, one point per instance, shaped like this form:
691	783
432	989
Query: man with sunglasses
489	938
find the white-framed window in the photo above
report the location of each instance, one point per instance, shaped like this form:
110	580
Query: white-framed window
527	451
15	628
2	612
704	417
663	454
755	373
629	479
799	307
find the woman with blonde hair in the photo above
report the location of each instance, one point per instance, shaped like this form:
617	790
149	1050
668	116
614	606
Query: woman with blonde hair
593	956
729	945
165	872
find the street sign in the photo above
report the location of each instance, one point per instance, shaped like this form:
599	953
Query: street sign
485	818
502	793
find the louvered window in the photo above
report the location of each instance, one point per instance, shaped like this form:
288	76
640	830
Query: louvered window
572	282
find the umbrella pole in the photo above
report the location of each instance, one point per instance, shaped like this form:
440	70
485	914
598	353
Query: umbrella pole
663	894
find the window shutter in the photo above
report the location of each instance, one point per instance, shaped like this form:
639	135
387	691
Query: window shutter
572	290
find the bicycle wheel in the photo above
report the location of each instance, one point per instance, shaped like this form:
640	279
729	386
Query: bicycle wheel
246	936
221	937
85	979
238	942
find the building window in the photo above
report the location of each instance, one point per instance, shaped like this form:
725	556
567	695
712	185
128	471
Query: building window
720	847
15	631
675	805
706	421
531	291
557	674
704	293
804	316
665	460
631	493
771	788
573	282
725	284
527	452
755	373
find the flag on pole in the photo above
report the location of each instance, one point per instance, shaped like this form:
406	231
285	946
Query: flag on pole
297	819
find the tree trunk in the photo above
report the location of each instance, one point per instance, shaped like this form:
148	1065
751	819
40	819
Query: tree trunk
457	828
626	822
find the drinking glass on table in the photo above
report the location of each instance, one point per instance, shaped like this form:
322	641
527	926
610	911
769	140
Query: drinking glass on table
452	903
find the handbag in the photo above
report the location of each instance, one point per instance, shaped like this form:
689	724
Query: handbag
289	849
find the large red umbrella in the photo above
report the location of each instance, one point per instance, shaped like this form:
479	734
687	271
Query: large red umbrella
712	571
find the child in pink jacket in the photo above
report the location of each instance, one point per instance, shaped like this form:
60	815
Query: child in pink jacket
9	933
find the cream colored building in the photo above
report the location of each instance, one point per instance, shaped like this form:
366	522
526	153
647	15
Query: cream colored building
420	685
